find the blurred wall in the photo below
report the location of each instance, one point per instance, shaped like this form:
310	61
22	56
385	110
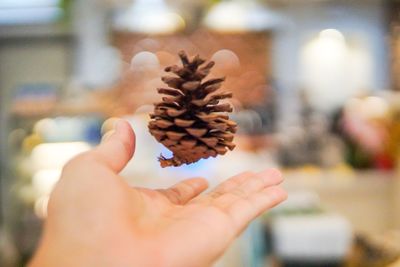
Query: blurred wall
27	57
33	61
396	201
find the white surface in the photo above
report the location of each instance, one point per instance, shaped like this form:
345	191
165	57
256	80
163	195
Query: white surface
312	237
55	155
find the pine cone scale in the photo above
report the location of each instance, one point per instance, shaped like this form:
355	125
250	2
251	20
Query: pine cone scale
184	123
168	91
191	86
175	112
196	132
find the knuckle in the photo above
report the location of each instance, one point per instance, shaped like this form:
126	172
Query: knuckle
176	192
188	189
174	195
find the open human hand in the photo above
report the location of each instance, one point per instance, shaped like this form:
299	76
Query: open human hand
96	219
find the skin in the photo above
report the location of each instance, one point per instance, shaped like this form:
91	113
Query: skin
96	219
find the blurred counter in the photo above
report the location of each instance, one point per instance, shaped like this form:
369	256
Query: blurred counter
366	198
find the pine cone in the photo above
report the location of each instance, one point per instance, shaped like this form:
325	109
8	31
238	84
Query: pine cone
190	121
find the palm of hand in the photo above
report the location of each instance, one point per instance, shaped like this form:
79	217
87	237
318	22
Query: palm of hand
175	227
189	227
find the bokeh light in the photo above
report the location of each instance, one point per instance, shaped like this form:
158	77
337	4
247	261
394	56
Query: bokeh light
145	62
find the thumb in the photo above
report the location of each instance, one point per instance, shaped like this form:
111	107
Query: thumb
117	148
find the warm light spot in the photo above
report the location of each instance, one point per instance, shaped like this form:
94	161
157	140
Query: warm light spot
332	71
241	16
145	61
375	107
226	16
40	207
44	125
226	61
332	34
151	17
56	155
44	180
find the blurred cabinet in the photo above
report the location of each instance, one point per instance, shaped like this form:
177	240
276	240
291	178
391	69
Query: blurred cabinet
394	12
30	56
396	200
370	200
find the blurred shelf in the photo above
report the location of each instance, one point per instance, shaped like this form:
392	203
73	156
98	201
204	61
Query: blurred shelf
22	32
343	180
62	109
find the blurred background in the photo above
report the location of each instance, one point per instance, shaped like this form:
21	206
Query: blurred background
316	93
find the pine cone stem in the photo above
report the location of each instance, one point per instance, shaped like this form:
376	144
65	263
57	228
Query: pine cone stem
172	162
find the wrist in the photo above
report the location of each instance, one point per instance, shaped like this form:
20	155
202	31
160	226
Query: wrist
119	251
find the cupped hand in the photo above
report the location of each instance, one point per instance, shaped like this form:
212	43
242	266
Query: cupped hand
96	219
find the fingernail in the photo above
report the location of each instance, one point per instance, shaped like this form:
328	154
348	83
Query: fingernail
117	124
271	172
109	124
276	195
107	135
272	175
275	172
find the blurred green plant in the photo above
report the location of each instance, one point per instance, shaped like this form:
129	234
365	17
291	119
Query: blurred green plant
212	2
66	7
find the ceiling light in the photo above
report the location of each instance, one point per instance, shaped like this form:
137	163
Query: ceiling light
240	16
149	16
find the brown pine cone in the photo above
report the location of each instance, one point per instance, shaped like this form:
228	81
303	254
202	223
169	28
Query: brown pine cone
189	120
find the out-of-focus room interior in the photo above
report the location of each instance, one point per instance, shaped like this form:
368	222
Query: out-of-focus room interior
316	87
